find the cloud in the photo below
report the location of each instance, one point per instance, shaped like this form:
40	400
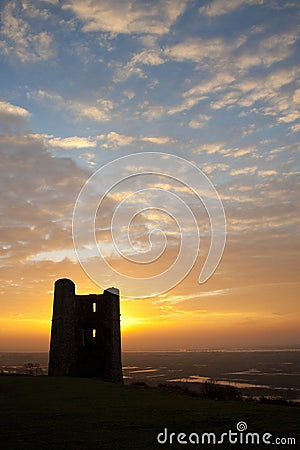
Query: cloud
99	111
72	142
200	49
20	39
32	11
36	210
228	81
290	117
186	104
12	117
218	83
295	128
264	208
129	93
296	96
270	50
151	111
210	167
218	148
199	121
54	2
237	152
9	109
115	140
210	148
147	57
271	93
267	173
127	16
157	140
219	7
244	171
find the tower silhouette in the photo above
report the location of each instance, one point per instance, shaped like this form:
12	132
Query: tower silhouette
85	334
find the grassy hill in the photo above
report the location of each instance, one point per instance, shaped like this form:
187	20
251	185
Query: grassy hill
74	413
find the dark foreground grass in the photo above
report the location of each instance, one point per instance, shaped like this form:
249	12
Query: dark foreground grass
74	413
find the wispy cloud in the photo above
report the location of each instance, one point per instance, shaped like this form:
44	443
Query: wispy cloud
203	50
38	208
9	109
214	82
210	148
270	50
99	111
151	111
157	140
199	121
244	171
147	57
267	173
219	148
12	116
218	7
72	142
114	140
225	91
20	39
126	17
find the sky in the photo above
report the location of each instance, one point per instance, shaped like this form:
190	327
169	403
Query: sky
214	83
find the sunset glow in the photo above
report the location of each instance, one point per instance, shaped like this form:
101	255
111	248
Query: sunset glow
215	83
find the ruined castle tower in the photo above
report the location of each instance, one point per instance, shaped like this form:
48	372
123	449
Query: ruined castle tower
85	334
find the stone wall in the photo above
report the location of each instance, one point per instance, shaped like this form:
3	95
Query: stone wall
85	334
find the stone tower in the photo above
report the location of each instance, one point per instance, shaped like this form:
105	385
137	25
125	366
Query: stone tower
85	334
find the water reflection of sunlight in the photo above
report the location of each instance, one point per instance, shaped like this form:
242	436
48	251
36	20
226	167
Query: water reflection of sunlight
237	384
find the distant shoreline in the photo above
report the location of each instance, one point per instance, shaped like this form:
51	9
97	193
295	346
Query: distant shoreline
293	348
263	371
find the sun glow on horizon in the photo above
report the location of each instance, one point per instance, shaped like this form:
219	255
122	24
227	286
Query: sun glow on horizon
215	85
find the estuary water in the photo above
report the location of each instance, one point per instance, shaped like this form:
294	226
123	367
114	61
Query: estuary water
274	373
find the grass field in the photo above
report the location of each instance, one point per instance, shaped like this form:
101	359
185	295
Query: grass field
74	413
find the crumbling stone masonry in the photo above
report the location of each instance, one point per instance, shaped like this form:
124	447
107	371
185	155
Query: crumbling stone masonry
85	334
